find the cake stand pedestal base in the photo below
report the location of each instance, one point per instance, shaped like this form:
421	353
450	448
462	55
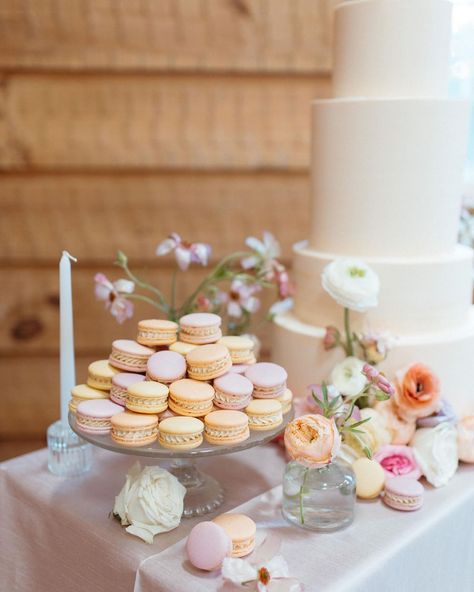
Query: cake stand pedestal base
203	493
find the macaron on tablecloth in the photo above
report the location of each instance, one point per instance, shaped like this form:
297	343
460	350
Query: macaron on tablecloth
194	384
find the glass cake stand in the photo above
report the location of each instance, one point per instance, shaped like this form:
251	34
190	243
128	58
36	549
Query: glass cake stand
203	493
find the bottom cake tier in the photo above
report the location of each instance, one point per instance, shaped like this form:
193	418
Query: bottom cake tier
450	354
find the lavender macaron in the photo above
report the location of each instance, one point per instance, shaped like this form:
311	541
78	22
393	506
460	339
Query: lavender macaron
268	379
403	493
166	367
233	391
208	545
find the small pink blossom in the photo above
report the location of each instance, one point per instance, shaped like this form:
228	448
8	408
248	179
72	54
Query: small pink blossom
240	298
375	346
331	338
185	252
114	296
398	461
265	253
378	379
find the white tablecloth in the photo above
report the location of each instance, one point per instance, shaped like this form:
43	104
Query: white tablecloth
56	536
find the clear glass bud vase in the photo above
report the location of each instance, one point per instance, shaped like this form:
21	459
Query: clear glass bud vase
319	499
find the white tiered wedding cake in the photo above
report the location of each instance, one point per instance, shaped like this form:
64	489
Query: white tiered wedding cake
387	161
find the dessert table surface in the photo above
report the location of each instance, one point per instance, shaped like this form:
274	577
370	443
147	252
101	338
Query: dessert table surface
56	534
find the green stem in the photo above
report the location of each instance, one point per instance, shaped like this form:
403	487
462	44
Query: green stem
145	299
164	306
173	291
349	345
209	279
301	495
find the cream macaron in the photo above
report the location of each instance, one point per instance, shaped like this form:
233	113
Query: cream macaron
134	429
224	427
240	348
286	400
241	530
180	347
181	433
83	392
100	374
191	397
147	397
264	414
208	361
157	332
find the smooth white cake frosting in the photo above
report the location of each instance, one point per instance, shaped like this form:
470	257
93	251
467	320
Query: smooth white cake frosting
392	48
299	347
387	175
386	187
423	294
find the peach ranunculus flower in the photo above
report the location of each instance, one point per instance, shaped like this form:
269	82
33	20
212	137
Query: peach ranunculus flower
312	440
401	430
417	393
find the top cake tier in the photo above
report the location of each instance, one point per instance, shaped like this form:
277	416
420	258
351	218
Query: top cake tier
392	48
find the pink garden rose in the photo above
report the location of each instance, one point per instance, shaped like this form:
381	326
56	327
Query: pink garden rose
398	461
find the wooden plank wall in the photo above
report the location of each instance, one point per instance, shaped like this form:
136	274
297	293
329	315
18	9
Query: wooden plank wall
122	120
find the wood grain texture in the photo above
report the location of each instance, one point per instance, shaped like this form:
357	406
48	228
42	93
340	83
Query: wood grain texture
171	35
168	122
30	392
29	310
94	216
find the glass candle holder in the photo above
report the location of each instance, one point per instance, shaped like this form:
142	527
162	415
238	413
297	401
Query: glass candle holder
320	499
68	454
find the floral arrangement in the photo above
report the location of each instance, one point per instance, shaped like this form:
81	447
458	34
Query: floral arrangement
403	425
230	289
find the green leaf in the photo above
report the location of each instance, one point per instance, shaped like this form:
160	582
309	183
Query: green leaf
317	399
381	396
359	423
367	452
324	388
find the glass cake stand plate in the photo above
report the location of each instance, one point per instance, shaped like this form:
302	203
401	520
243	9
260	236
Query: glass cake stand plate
203	493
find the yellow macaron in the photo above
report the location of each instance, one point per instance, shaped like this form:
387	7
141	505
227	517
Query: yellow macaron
157	332
83	392
208	361
226	427
264	414
147	397
100	374
240	348
181	433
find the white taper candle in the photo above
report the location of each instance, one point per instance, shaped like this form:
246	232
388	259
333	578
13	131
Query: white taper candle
67	373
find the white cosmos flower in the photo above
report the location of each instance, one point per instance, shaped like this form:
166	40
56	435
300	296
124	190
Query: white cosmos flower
347	376
352	284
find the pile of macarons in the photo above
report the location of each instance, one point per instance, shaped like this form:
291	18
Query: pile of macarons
228	535
181	383
400	493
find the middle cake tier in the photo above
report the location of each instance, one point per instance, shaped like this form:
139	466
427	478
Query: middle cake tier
387	175
425	294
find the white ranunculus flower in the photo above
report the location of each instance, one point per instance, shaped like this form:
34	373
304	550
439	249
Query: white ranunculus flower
436	452
150	502
347	376
352	284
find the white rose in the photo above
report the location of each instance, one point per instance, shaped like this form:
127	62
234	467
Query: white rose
150	502
375	428
352	284
436	452
347	376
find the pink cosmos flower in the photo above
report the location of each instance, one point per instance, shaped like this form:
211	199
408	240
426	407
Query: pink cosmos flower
114	296
240	298
185	252
378	380
398	461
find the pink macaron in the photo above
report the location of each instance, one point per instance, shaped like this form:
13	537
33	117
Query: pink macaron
129	355
268	379
93	417
120	384
403	493
166	367
233	391
208	545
